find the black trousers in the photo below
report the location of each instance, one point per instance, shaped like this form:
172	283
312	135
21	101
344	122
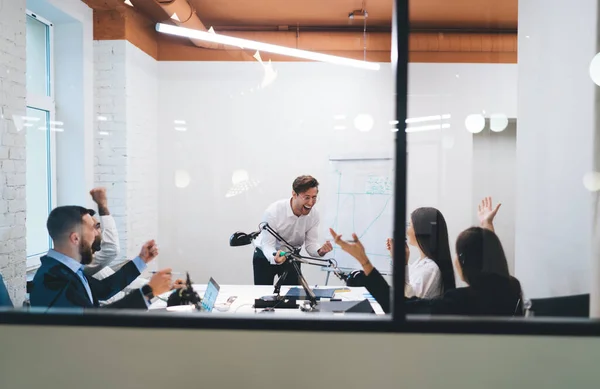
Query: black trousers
264	272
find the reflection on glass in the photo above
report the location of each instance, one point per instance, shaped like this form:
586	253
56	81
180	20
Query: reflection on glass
591	181
498	122
363	122
241	183
475	123
182	179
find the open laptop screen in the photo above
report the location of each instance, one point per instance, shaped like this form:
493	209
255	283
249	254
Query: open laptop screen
210	296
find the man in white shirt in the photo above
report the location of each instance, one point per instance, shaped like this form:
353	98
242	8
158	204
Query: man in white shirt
106	246
298	223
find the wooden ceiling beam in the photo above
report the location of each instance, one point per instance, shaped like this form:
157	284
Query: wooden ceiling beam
113	20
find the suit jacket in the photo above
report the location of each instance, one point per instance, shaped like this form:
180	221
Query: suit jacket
492	295
57	286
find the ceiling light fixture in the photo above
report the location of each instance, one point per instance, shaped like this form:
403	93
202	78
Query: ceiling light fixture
248	44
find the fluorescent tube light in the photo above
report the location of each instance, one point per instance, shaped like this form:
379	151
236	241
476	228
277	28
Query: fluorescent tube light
248	44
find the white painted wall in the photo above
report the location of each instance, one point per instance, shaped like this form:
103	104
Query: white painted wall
287	129
260	359
440	167
12	148
557	130
495	175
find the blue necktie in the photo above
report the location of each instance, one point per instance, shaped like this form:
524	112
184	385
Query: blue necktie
85	283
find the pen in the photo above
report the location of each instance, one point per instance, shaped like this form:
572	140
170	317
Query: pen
173	273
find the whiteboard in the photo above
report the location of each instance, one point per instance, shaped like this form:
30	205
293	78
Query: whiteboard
361	201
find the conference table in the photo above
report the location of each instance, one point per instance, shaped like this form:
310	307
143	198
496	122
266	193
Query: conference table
239	299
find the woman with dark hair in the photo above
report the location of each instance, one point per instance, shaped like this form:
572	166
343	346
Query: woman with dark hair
481	263
432	274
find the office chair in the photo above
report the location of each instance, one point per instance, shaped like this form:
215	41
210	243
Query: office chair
4	297
563	306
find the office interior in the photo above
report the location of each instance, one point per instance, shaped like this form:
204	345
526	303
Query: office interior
194	135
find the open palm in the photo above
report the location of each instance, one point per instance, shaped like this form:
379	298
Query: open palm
354	248
486	211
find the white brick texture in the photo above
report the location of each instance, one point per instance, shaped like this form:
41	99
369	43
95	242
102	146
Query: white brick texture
126	161
13	90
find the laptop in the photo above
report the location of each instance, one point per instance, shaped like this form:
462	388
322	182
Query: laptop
210	296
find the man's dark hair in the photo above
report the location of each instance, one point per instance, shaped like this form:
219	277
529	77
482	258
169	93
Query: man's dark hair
304	183
64	220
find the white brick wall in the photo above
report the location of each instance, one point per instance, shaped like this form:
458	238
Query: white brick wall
12	148
126	162
142	152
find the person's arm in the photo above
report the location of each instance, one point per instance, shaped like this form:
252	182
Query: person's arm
109	248
378	287
311	238
132	300
109	286
374	281
160	283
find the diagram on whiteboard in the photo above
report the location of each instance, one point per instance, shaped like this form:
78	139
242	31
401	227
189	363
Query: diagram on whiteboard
362	202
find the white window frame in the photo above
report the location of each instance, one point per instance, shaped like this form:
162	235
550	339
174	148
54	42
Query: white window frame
46	103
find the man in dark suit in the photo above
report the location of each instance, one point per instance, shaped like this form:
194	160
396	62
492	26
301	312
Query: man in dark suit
60	281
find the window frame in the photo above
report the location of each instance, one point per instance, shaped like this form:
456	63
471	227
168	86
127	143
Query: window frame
46	103
398	322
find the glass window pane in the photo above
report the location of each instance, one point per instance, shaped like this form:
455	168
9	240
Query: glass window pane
38	180
37	57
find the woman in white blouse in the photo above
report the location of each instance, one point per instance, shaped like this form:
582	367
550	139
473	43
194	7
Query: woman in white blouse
432	274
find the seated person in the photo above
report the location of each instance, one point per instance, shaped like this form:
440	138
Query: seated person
481	263
106	246
432	274
60	281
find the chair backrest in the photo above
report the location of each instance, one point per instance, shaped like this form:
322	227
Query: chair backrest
563	306
4	297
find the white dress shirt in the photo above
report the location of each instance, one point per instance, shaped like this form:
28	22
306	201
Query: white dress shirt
423	279
296	230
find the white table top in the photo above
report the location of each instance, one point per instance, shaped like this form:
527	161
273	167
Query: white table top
247	293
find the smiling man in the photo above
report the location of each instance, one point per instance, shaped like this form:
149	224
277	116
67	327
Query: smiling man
298	223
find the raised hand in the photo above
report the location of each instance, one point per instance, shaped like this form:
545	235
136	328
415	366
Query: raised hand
149	251
354	248
161	282
389	244
487	212
99	197
327	247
